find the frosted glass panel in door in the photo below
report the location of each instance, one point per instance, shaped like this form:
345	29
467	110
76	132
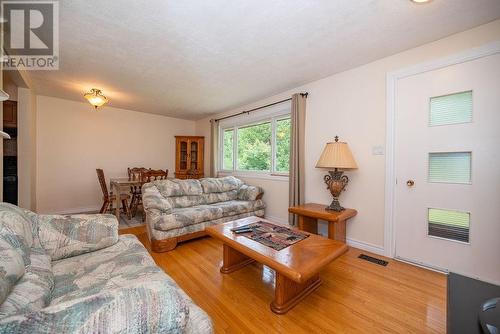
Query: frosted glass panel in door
451	109
450	167
449	224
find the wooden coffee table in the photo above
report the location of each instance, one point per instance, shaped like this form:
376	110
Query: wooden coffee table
297	267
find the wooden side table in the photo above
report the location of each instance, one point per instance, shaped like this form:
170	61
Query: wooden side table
310	213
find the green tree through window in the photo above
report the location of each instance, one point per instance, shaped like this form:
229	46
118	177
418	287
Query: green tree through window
228	149
254	146
283	145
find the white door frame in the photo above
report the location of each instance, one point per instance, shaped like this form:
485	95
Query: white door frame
390	170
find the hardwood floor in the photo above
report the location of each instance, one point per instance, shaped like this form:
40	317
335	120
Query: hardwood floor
356	296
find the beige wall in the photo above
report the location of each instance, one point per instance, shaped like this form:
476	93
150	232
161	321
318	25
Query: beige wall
1	118
352	104
26	148
9	87
73	140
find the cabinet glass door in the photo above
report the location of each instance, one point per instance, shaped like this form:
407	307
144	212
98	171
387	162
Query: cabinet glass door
194	155
183	152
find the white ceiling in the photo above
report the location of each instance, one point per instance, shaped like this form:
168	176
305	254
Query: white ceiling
192	58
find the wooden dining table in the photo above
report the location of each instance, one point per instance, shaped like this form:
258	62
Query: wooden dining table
117	187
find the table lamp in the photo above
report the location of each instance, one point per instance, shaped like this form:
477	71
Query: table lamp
337	156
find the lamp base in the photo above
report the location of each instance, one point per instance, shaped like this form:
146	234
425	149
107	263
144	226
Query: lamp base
335	182
335	206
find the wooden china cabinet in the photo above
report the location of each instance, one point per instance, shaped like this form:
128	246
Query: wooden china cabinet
189	157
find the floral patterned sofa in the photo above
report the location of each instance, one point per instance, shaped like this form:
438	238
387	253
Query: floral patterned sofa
75	274
179	210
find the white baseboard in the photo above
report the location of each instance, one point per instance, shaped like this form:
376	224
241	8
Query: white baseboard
277	219
323	230
73	211
366	246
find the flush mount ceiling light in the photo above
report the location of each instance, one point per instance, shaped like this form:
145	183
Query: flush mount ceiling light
420	1
4	135
3	95
96	98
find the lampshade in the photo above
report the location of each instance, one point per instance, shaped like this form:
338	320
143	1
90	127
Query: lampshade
336	155
96	98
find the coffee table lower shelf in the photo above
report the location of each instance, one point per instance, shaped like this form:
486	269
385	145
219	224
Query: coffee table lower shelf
287	293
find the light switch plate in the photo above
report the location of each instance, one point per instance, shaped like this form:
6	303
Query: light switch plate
378	150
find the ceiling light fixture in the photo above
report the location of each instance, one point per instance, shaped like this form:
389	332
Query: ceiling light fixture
96	98
4	135
3	95
420	1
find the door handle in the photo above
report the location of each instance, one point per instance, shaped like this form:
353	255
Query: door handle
410	183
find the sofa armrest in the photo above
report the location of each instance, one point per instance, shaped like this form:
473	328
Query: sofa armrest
152	199
67	236
157	208
154	306
250	193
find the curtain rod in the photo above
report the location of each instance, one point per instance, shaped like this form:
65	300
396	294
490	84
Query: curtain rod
261	107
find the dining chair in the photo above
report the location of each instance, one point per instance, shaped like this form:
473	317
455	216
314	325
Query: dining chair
153	175
149	176
134	174
109	198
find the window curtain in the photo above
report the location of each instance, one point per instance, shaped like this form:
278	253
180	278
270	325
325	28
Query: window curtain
297	141
214	147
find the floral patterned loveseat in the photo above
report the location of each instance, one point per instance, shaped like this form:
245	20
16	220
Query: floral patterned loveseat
178	210
74	274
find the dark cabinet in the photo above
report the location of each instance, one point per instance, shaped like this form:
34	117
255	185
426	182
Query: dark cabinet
9	114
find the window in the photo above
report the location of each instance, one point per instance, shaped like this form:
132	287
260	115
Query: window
227	162
254	147
262	146
283	131
448	224
451	109
450	167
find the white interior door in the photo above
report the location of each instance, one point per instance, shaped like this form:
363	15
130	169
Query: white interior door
448	145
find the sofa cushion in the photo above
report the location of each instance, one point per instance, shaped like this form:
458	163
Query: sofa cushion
186	201
153	200
249	193
11	268
145	307
237	207
65	236
187	216
16	228
157	234
124	264
220	185
175	187
196	214
211	198
32	291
